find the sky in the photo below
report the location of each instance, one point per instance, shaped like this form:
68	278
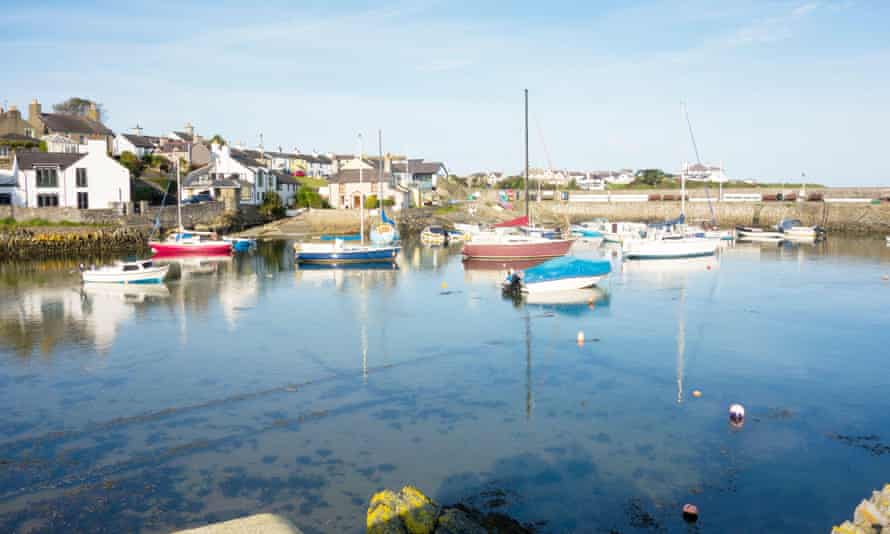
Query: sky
773	88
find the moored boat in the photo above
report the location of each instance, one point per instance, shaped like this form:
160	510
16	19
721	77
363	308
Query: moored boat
186	242
338	253
514	247
127	272
434	235
240	244
751	233
559	274
664	248
794	229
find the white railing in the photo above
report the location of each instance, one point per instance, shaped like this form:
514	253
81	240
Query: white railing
742	197
847	200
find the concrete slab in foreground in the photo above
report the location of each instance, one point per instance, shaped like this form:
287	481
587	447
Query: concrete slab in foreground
254	524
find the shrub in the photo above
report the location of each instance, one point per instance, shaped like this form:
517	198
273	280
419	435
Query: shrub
307	198
272	206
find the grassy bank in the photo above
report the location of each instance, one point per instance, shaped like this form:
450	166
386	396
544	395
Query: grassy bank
9	223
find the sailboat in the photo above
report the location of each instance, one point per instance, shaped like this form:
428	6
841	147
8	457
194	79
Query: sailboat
384	233
186	242
513	246
672	239
339	252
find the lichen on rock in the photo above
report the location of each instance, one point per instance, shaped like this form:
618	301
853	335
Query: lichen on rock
407	511
870	517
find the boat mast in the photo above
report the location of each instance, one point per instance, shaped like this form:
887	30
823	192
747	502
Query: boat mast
361	194
380	173
526	159
178	196
698	160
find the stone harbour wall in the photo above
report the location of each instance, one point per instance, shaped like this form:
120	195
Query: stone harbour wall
27	243
852	218
205	213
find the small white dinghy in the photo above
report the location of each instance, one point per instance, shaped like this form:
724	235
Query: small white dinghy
126	272
559	274
750	233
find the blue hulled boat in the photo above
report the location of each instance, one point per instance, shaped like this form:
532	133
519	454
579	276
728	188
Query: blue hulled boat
338	252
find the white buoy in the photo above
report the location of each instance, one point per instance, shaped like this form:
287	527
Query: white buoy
580	337
737	414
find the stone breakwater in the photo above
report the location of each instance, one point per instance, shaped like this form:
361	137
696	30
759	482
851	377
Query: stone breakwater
847	218
411	512
872	516
30	243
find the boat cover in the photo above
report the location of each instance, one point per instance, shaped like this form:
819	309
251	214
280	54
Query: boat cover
519	221
566	267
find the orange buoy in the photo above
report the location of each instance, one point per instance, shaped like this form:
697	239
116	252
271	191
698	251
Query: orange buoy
696	393
580	338
444	285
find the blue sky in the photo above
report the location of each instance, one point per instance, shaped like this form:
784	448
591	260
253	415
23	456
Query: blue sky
773	88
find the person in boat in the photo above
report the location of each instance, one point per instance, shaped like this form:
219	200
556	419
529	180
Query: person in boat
514	282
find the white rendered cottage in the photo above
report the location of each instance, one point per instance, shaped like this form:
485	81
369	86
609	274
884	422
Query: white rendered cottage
245	166
85	181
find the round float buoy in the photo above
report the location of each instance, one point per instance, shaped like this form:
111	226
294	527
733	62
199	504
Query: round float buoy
709	267
580	338
696	393
690	513
885	278
737	415
444	285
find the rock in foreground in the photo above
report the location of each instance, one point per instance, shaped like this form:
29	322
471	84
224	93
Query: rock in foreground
411	512
870	517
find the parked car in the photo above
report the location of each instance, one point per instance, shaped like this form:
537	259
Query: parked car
197	199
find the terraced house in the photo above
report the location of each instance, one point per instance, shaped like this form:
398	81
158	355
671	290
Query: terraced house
75	127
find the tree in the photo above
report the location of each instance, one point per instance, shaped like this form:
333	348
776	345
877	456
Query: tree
651	177
308	198
371	202
132	162
272	206
218	139
79	106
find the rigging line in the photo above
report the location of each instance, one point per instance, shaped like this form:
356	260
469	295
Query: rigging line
698	160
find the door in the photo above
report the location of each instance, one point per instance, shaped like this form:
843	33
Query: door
356	201
83	200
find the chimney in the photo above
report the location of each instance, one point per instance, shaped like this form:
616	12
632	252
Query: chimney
137	130
189	129
93	112
34	112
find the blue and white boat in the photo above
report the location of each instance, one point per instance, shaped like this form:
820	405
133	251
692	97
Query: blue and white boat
559	274
241	244
126	272
384	233
339	252
347	237
578	230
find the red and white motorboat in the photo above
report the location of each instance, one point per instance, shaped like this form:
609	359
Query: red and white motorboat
187	243
492	246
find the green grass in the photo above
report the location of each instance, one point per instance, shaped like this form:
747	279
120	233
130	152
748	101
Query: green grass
310	182
444	210
9	222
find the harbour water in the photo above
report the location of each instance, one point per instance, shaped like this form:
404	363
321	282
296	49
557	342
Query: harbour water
249	384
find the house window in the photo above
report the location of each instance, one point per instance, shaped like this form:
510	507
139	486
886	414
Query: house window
259	179
83	200
4	151
47	178
81	177
29	132
47	201
5	199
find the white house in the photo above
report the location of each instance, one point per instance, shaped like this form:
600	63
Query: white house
704	173
357	178
245	166
622	177
287	186
136	144
85	181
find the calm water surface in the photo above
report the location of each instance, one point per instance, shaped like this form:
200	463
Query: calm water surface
251	385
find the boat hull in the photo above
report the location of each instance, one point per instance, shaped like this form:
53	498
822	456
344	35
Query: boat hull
336	257
154	275
670	249
189	249
562	284
517	251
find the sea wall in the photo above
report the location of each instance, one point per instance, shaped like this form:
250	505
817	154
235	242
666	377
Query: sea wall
852	218
32	243
205	213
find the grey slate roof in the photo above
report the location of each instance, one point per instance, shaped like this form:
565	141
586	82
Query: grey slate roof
139	140
247	157
29	160
59	122
18	137
193	180
285	178
184	136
